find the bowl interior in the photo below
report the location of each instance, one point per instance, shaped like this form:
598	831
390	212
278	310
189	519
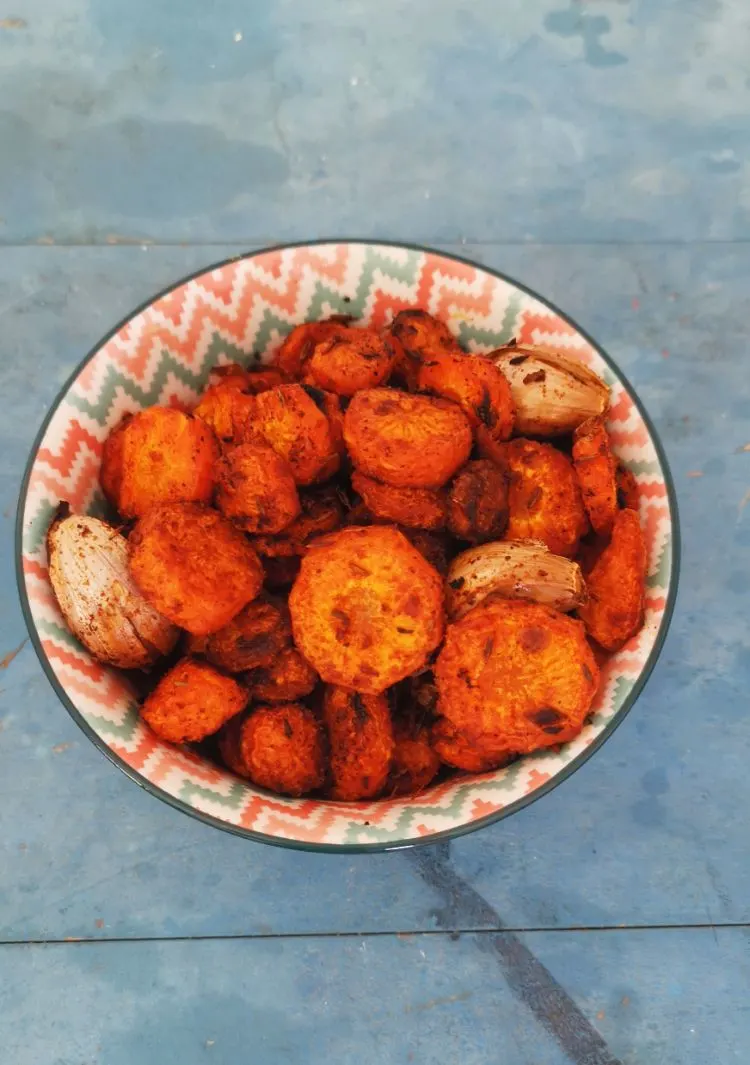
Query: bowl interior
240	311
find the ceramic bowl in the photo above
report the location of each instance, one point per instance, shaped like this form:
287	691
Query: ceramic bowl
240	310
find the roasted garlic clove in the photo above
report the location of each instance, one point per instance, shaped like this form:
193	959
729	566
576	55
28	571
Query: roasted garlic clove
553	394
514	569
88	569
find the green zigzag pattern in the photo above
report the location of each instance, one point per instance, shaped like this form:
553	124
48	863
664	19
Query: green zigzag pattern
620	691
219	345
406	272
59	634
640	466
233	801
167	365
37	528
325	294
99	507
551	754
493	337
114	380
122	730
270	323
660	577
509	779
406	818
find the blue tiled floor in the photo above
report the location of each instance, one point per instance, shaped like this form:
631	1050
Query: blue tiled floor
597	151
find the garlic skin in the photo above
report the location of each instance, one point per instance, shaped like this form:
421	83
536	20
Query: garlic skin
513	569
88	569
552	393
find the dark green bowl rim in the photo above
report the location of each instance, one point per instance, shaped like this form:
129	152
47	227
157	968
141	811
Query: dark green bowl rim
352	848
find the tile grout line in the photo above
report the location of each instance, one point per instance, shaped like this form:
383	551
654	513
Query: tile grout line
259	243
450	933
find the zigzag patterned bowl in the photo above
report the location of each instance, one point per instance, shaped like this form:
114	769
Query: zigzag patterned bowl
239	311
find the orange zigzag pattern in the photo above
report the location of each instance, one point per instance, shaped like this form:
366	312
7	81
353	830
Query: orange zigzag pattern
271	263
42	596
76	494
379	811
291	261
334	270
172	305
221	287
654	522
85	379
69	658
258	805
35	569
385	304
109	697
447	268
637	436
652	490
656	603
538	322
137	759
179	761
482	808
63	458
450	299
385	307
231	324
622	408
313	833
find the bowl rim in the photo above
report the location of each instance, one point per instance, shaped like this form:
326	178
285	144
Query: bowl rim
353	848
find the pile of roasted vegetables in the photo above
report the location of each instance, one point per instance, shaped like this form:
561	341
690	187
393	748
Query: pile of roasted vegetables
376	557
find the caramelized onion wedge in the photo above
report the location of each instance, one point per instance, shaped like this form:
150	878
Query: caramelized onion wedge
88	570
552	393
513	569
